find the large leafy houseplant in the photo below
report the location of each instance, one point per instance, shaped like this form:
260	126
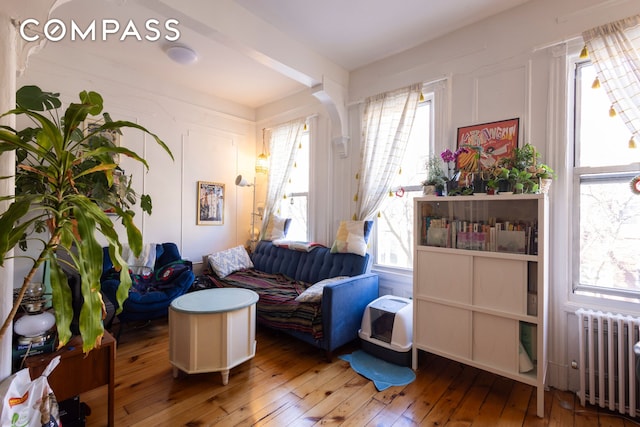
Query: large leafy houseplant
65	178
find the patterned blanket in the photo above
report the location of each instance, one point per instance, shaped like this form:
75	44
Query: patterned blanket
277	307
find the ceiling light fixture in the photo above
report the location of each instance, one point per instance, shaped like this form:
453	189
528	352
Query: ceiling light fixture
182	54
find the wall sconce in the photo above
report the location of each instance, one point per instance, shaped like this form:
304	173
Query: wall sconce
242	182
262	162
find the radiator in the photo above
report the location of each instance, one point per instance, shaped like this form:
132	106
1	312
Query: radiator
607	362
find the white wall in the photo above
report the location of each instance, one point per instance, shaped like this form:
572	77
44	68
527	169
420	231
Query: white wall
210	141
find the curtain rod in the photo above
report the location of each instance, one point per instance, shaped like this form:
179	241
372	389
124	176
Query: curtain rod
429	82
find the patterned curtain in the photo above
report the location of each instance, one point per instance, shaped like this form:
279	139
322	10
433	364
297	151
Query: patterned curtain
613	49
283	143
387	123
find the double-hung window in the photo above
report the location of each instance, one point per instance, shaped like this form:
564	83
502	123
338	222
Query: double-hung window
296	203
605	210
394	225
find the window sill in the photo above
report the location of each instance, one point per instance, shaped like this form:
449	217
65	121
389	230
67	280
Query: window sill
394	281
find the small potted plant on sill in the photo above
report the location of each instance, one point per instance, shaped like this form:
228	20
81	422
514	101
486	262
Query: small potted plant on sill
435	182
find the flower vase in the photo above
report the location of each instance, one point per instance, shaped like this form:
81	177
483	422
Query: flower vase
429	190
545	184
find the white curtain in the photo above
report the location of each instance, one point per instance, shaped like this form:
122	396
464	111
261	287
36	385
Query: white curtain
387	123
283	143
613	49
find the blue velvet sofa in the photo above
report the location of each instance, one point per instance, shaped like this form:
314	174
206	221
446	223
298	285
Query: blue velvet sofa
281	274
149	296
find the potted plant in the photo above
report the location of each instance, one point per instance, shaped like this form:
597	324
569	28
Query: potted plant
545	175
453	173
527	159
435	181
525	156
492	186
523	181
58	166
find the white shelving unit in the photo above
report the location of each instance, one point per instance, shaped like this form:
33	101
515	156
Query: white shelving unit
478	306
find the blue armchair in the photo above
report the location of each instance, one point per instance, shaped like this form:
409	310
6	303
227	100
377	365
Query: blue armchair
151	294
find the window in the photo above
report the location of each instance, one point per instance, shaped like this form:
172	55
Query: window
394	226
606	222
296	204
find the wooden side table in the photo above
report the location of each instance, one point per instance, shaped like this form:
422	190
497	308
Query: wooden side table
212	330
76	374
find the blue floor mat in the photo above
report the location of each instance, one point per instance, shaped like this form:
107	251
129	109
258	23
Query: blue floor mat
382	373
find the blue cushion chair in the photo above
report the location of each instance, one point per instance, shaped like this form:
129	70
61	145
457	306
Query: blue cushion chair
150	295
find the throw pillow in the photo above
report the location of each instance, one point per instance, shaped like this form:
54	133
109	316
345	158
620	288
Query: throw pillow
277	228
228	261
352	237
314	292
166	275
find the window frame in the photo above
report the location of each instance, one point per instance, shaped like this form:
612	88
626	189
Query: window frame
585	174
394	273
308	192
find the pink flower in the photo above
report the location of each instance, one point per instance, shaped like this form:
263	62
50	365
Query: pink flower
448	156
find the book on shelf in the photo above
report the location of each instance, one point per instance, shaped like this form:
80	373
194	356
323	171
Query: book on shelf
471	240
438	237
529	339
518	237
511	241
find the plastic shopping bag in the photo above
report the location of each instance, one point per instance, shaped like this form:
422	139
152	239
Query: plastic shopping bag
27	403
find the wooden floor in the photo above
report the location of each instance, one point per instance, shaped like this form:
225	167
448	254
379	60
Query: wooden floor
291	383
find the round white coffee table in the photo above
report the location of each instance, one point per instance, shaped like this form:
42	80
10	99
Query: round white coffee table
212	330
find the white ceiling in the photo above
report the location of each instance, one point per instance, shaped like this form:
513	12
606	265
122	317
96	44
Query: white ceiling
254	52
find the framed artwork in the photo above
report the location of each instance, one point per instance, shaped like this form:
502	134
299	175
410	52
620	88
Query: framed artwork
493	141
210	209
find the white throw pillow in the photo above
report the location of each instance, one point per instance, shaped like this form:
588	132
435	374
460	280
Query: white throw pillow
275	228
314	292
351	237
228	261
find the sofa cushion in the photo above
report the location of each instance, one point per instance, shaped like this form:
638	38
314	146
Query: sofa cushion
277	228
166	276
228	261
308	267
277	306
314	292
352	237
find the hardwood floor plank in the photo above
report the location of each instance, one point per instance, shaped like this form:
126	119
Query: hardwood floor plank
562	409
289	383
440	374
360	392
516	407
452	397
491	409
365	414
532	419
401	402
469	408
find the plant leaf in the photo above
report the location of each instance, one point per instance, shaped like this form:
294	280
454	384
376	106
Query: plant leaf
33	98
61	299
93	99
